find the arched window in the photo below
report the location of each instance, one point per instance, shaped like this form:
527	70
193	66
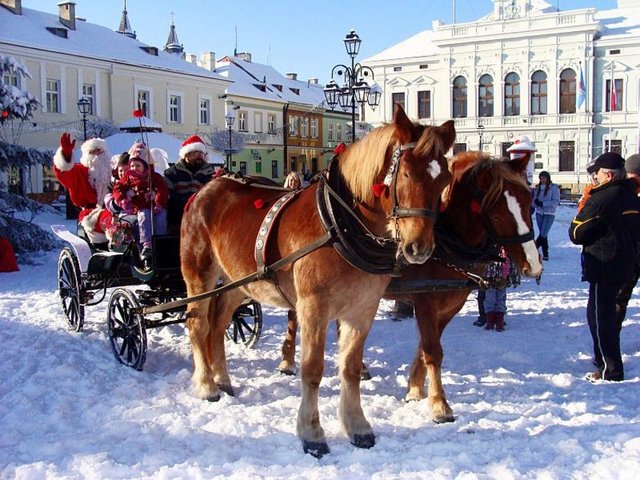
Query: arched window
485	96
511	95
539	93
568	91
459	97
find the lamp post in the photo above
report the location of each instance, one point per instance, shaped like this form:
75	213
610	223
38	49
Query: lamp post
354	88
480	129
230	118
84	107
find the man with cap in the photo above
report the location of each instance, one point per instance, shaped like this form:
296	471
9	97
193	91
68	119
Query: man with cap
521	148
632	166
86	182
608	228
189	174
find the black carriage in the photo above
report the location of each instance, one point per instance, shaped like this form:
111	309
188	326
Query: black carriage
86	274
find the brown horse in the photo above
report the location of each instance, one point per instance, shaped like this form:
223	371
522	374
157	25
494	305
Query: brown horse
406	162
487	203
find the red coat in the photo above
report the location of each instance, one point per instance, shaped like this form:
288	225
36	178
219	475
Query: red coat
134	188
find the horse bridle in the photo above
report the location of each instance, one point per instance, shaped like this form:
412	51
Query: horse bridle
391	181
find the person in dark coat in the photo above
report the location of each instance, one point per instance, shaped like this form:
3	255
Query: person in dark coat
189	174
608	228
632	166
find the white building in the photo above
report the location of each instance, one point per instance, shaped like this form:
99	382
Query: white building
516	71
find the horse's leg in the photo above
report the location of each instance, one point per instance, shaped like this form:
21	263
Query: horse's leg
288	363
225	306
364	371
429	325
353	334
313	336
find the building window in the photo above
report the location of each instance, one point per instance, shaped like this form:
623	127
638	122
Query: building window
89	92
398	98
314	128
539	93
271	123
204	111
485	96
293	126
568	91
143	99
257	122
11	79
243	168
424	104
175	109
259	165
314	165
512	95
304	127
338	132
274	169
616	146
53	96
459	97
331	133
567	156
242	121
293	162
459	148
614	98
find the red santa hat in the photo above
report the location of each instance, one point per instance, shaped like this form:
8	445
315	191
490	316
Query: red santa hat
192	144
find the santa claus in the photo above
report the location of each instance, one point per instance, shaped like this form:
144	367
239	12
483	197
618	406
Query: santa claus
86	182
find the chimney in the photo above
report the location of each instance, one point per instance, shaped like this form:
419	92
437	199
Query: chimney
246	56
208	61
292	76
313	81
191	58
14	6
67	14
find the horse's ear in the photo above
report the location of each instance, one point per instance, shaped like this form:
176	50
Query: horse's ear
447	133
404	126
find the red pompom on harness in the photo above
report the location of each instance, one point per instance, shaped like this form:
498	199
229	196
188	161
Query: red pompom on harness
475	206
259	203
379	189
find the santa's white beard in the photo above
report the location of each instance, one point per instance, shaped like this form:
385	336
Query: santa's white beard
99	174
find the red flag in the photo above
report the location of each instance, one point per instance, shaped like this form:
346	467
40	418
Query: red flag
614	96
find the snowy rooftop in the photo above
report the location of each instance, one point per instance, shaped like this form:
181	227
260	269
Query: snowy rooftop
617	21
88	40
263	81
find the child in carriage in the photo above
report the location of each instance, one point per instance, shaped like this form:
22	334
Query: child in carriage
143	192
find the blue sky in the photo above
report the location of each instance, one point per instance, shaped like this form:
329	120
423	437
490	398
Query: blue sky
292	35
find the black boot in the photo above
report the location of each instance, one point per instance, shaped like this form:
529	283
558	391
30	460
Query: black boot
544	243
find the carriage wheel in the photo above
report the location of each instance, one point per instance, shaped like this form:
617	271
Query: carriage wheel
69	287
127	333
246	325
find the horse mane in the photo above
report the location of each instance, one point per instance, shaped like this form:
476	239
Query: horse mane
362	163
480	162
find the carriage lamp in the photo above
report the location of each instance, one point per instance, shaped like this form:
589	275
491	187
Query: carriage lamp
355	89
480	129
230	118
84	107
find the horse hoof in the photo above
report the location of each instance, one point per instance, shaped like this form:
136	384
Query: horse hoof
365	375
315	449
364	441
213	398
287	371
444	419
228	389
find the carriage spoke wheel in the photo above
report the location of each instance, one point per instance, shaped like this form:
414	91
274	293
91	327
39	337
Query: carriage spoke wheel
127	333
246	325
69	287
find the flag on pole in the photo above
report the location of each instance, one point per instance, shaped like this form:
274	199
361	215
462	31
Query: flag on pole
581	93
614	94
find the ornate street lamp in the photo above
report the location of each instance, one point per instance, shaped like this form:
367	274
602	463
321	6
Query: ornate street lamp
230	118
355	89
480	129
84	107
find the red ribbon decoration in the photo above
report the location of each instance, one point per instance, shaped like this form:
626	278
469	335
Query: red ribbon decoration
475	206
137	113
379	189
259	203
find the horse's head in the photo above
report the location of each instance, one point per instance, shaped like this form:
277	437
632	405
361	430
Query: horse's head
399	170
491	197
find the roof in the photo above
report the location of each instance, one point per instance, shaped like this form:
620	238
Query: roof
89	40
257	80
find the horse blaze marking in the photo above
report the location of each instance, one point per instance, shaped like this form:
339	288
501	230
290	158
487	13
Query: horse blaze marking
434	169
530	251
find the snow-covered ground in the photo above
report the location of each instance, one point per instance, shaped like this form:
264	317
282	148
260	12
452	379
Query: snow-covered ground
522	406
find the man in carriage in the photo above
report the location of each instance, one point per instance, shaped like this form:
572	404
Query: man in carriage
86	182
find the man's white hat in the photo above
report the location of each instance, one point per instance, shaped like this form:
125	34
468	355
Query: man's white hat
522	144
